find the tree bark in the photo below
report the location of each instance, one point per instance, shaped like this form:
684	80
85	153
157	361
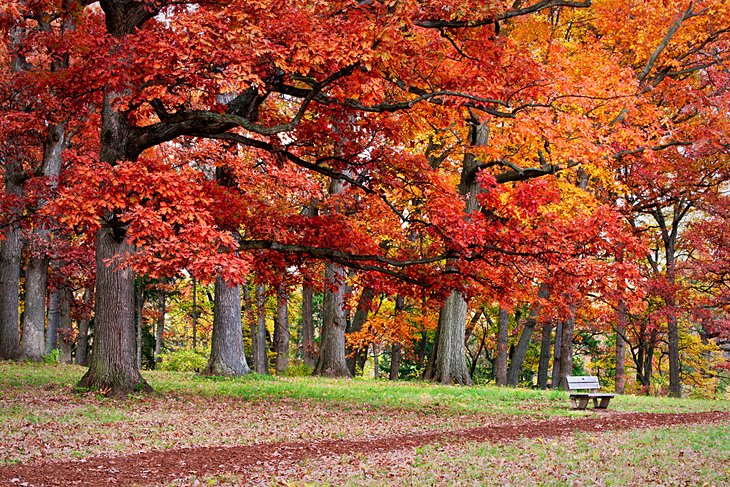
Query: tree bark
357	358
139	307
332	361
557	347
195	314
65	329
621	316
281	330
226	353
10	281
82	342
545	352
34	317
500	362
160	328
54	316
395	356
258	336
566	349
449	357
113	364
308	351
520	352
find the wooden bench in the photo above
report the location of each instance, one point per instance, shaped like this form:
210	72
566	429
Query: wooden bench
590	383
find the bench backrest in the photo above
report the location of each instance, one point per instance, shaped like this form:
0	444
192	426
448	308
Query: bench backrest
582	382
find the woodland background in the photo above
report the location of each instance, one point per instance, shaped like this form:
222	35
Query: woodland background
505	192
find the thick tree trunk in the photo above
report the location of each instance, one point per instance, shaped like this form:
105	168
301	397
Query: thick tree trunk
395	356
113	364
281	330
308	351
82	342
65	329
331	361
675	383
621	315
54	316
10	283
160	328
566	349
258	336
545	352
357	358
139	306
226	353
34	317
500	362
449	357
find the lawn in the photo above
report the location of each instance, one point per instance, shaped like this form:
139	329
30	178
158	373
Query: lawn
43	418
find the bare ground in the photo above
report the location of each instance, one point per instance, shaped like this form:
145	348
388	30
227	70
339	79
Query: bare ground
167	465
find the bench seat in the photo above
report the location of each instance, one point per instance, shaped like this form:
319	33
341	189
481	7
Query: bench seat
580	399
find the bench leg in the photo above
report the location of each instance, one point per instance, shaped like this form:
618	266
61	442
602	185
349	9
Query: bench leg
604	403
580	402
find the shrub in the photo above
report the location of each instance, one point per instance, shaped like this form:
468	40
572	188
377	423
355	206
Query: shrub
184	360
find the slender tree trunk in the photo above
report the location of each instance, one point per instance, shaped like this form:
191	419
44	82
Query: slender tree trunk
545	352
258	337
555	380
308	350
376	362
500	363
621	316
356	358
226	353
395	356
281	330
82	342
113	363
65	329
54	315
139	302
160	329
675	383
195	313
331	361
520	352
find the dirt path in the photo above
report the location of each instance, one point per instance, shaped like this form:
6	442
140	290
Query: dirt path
167	465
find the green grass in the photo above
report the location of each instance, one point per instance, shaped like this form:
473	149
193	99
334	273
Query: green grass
422	396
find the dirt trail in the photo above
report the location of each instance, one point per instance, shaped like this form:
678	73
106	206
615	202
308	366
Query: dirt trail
167	465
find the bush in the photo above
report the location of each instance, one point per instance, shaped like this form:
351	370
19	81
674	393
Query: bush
183	361
297	370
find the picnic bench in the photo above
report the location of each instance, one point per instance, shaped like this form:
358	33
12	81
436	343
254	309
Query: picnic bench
587	383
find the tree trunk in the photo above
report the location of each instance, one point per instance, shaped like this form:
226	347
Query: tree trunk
331	361
449	357
54	315
308	351
281	330
500	362
160	328
545	352
226	352
555	380
65	329
566	349
10	282
195	313
113	364
675	384
34	316
82	342
520	352
258	336
395	356
356	358
139	306
621	315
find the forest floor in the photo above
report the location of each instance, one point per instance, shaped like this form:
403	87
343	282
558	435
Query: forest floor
265	431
